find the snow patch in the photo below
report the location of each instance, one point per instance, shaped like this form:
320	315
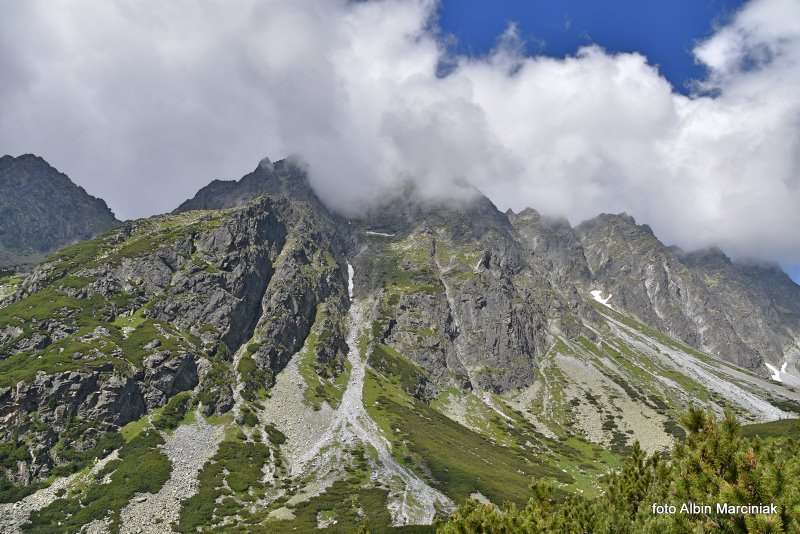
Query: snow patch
597	295
382	234
776	373
350	273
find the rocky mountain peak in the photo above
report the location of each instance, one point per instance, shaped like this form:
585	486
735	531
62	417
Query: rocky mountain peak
707	257
276	343
41	209
619	223
285	177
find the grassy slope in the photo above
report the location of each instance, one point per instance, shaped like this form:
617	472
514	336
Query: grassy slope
786	428
460	461
323	384
57	299
141	467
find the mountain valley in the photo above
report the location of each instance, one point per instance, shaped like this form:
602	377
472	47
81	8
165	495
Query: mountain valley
254	362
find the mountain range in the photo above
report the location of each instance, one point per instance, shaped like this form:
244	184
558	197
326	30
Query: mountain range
256	362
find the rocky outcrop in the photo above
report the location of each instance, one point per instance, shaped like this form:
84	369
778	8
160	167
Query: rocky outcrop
759	299
746	314
164	376
285	177
553	248
110	329
42	210
221	295
460	294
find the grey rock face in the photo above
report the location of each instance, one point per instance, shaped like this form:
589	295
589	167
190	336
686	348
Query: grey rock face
760	300
165	376
42	210
458	295
743	314
284	177
553	247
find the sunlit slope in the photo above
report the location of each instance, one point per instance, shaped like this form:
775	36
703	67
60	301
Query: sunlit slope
276	370
624	381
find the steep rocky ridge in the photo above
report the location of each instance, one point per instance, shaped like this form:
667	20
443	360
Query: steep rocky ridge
760	299
41	210
108	330
377	369
284	177
743	314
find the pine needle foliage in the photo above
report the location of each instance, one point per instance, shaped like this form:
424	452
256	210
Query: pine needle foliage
715	464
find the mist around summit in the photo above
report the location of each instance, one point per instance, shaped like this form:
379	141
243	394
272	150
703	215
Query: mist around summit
370	95
312	266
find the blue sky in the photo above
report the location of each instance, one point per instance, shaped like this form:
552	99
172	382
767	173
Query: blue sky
664	31
354	89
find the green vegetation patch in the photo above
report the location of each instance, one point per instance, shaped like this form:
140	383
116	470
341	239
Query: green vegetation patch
148	236
146	331
9	282
22	367
459	461
349	505
72	452
785	428
404	267
717	463
228	483
141	468
174	412
460	260
324	383
346	502
395	367
10	492
254	378
216	384
276	437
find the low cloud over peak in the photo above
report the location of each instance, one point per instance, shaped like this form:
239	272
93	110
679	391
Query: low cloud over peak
144	103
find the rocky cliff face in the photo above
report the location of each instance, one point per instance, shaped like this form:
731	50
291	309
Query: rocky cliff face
746	314
760	301
458	293
285	177
42	210
109	330
423	349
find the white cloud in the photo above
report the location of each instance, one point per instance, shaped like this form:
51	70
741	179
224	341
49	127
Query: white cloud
145	102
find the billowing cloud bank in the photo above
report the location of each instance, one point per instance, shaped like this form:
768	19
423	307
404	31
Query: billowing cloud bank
144	102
